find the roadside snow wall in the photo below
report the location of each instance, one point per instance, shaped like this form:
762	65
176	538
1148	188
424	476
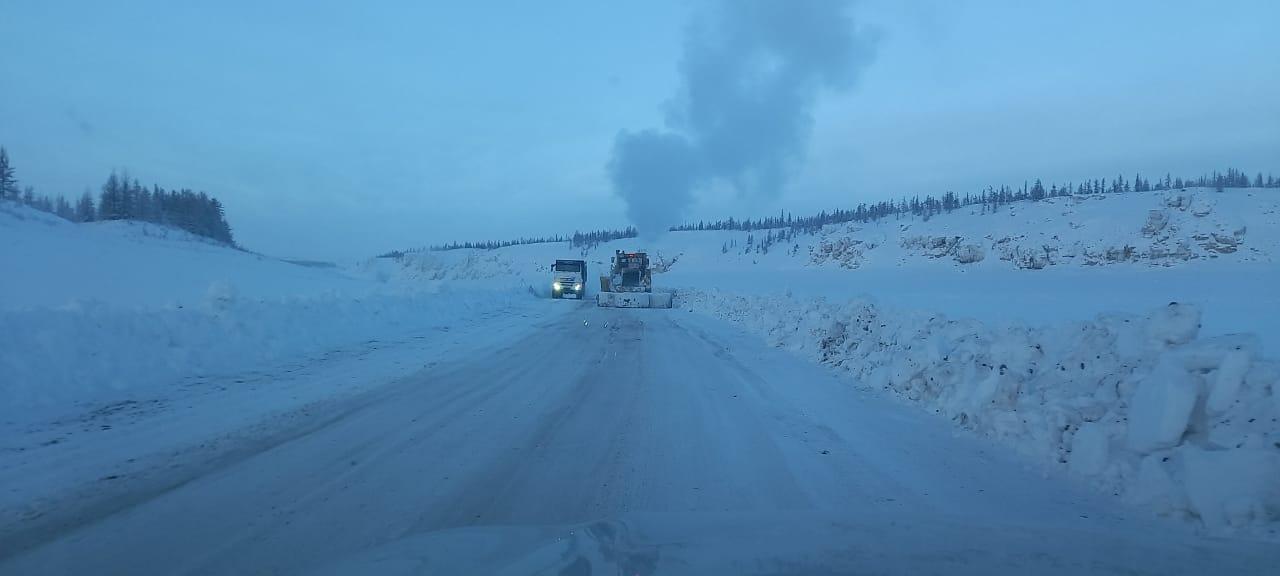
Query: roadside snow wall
1138	404
52	359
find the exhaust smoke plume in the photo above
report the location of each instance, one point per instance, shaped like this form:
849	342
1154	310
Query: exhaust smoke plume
750	74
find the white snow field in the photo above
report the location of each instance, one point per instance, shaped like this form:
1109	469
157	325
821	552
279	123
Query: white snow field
172	406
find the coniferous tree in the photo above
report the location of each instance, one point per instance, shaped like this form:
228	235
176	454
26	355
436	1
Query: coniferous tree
143	208
129	198
8	183
110	203
85	211
1037	190
63	209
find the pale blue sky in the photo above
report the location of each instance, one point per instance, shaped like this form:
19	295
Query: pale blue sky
341	129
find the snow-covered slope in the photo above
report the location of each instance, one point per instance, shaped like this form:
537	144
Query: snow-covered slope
1127	339
54	262
889	262
1154	229
109	312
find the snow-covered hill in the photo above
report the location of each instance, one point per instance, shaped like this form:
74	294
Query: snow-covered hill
1040	263
109	312
1130	339
55	262
1154	229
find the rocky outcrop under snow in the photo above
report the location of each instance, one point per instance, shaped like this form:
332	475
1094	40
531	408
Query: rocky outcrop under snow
845	252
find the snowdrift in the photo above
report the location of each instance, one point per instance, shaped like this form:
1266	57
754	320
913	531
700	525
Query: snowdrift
97	313
1140	404
48	262
82	354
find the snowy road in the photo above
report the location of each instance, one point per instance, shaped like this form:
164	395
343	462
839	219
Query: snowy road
647	441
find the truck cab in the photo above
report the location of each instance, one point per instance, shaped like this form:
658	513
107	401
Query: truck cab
569	277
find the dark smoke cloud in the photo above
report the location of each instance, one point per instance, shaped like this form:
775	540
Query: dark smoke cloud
750	74
655	173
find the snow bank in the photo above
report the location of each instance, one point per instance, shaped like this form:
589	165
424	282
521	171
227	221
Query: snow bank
89	352
1142	405
108	311
47	262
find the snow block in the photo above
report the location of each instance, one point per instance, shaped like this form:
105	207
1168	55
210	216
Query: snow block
1201	207
1227	381
1156	222
1174	324
1156	489
220	297
1232	487
969	254
1090	450
1161	408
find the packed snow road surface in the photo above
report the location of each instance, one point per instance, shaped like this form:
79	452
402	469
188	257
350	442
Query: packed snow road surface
636	441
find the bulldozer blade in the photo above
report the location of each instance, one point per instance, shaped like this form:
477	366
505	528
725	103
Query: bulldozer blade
633	299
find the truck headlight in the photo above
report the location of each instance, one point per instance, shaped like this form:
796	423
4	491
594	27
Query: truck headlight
577	287
555	285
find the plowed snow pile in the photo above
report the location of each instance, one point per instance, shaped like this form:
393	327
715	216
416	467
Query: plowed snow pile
102	312
1140	404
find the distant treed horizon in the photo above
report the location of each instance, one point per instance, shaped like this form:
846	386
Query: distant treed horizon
203	215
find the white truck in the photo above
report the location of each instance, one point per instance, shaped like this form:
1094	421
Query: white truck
569	277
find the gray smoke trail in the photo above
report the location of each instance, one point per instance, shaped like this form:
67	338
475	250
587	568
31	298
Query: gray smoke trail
750	74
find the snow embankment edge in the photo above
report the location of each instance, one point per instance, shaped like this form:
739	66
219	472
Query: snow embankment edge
1143	406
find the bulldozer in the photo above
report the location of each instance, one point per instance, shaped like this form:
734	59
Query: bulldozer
629	283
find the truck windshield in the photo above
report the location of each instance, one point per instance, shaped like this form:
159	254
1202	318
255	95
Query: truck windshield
568	267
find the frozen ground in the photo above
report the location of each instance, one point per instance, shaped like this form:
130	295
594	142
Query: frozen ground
618	440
